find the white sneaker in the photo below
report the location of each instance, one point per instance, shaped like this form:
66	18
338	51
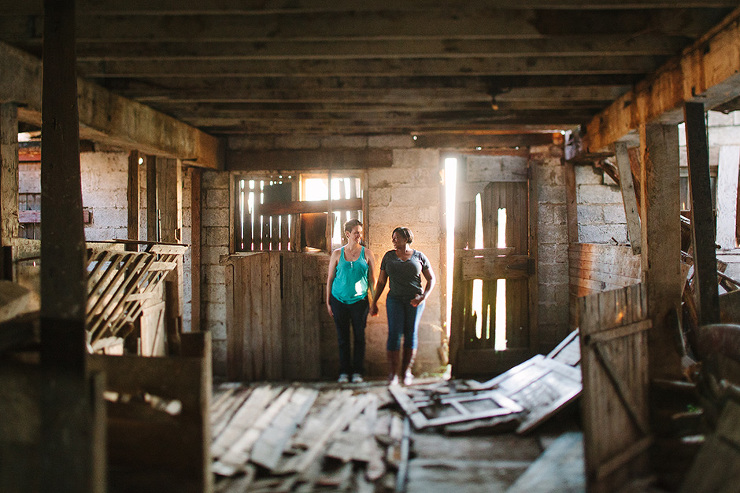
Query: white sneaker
343	378
357	378
408	378
393	380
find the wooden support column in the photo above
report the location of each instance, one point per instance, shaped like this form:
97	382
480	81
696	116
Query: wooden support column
571	211
195	249
628	196
661	243
152	212
8	185
168	184
9	172
702	214
72	448
132	196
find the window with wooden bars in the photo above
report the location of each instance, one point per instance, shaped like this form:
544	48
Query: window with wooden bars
295	212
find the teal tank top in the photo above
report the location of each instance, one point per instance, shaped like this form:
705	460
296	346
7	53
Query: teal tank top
350	279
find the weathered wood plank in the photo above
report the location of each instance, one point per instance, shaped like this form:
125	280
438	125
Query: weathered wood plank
702	208
661	242
626	185
8	173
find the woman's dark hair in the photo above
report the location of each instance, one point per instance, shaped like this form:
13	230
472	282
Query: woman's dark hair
405	232
350	225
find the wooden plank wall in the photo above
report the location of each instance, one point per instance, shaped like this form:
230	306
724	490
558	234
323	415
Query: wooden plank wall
274	321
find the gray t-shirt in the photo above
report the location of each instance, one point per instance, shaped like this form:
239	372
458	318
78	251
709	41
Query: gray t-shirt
404	276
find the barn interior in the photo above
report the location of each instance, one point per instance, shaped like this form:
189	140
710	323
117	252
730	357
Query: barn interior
569	167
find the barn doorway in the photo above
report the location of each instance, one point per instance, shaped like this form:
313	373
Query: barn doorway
491	327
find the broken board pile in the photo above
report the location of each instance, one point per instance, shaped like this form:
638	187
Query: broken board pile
520	398
304	438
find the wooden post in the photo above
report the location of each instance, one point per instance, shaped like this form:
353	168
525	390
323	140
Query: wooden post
152	213
72	447
628	196
533	208
9	172
571	214
167	189
133	196
702	214
8	186
195	249
661	242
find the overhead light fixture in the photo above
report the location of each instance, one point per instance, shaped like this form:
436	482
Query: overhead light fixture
414	137
478	148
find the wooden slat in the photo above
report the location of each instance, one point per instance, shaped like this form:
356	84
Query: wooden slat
274	439
629	199
489	268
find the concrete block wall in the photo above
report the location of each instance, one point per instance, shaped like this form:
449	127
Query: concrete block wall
601	216
214	244
409	193
552	270
104	177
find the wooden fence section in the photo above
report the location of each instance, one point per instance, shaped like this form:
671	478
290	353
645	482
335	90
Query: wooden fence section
272	316
613	328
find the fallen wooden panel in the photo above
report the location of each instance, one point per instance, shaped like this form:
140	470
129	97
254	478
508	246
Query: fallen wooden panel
541	386
558	470
568	351
454	408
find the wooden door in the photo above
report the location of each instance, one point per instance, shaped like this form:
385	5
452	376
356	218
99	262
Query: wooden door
494	289
615	409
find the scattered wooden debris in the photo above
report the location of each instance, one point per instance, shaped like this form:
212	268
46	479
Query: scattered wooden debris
295	438
527	394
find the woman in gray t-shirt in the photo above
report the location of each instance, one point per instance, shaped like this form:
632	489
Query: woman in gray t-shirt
402	268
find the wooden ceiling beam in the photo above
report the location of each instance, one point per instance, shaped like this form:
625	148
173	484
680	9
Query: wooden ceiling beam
707	72
371	67
106	117
392	25
263	7
606	45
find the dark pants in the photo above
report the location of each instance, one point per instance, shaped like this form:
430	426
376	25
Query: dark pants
356	314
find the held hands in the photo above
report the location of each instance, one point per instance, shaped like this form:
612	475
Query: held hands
373	309
417	300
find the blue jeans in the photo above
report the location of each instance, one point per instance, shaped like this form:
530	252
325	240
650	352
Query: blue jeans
403	321
356	314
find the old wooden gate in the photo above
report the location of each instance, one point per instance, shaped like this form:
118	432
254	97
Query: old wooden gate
494	301
613	327
272	315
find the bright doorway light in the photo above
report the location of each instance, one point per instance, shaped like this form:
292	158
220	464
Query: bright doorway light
450	178
500	327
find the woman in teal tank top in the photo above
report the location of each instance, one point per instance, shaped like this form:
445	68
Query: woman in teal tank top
350	276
